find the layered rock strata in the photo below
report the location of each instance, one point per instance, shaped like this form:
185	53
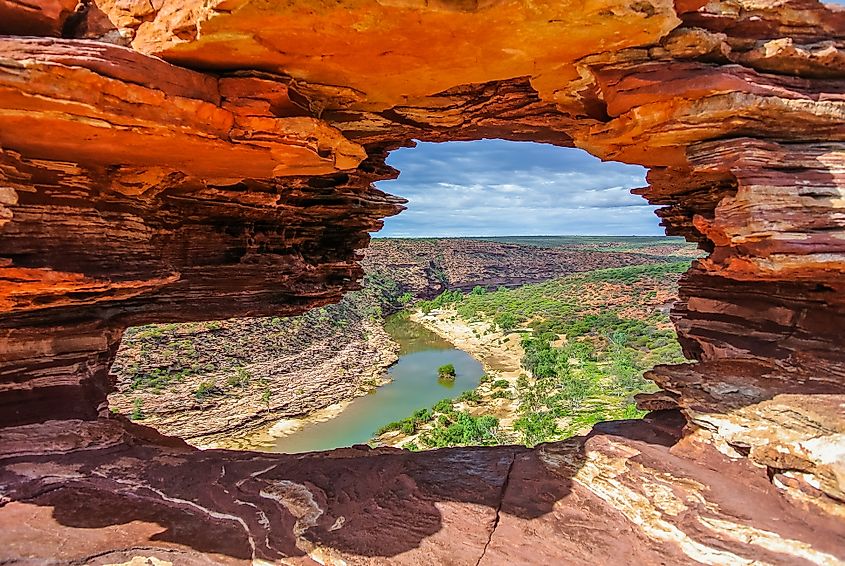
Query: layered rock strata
427	267
186	160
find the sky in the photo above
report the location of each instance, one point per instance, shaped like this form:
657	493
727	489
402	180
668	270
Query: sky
500	188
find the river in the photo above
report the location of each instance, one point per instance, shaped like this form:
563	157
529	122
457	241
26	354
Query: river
414	386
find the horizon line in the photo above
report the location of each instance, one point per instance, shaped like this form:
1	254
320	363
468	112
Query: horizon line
376	235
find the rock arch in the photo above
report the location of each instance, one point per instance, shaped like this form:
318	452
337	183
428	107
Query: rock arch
189	160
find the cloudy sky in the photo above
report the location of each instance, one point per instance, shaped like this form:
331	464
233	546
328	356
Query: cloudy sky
499	188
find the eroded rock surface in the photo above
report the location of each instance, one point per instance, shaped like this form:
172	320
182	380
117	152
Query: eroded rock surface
628	492
232	177
427	267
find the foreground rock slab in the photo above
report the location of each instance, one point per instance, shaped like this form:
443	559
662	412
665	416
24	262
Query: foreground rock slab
233	177
106	492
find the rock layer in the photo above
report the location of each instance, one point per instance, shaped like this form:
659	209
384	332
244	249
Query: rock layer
238	183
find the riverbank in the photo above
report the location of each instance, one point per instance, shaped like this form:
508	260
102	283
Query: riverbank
214	384
264	437
561	356
413	385
498	352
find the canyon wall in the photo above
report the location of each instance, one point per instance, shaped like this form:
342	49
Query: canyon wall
184	161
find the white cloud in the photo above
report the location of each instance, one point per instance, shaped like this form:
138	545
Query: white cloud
493	187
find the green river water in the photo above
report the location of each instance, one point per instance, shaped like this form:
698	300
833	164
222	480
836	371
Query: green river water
414	386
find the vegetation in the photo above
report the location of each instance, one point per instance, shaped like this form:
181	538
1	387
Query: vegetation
442	300
471	396
240	378
462	429
137	410
409	425
206	389
587	340
446	371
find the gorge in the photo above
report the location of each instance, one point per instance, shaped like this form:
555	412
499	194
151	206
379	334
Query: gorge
192	161
248	382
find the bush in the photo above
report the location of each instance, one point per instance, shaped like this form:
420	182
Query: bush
506	321
406	298
443	406
240	378
395	425
409	425
443	299
463	430
536	427
501	383
206	389
446	371
470	396
137	410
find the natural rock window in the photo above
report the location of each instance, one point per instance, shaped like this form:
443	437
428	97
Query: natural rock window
550	334
180	161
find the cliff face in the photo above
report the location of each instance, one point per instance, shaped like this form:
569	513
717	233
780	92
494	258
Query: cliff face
186	161
427	267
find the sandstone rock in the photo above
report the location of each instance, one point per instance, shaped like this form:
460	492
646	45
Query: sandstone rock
46	17
430	266
628	492
239	184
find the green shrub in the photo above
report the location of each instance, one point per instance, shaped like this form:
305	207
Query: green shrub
506	321
206	389
446	371
443	299
406	298
536	427
409	425
422	415
470	396
463	430
137	410
500	383
395	425
240	378
443	406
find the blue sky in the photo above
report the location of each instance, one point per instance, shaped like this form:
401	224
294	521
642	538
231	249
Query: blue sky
499	188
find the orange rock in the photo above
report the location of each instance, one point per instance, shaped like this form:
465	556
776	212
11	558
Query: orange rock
238	183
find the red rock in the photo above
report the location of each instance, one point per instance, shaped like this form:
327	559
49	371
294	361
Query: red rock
238	183
44	17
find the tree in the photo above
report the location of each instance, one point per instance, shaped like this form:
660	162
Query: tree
446	372
506	321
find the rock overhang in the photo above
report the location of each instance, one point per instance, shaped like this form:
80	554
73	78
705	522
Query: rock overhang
234	178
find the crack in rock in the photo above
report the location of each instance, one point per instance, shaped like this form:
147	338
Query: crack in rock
498	509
